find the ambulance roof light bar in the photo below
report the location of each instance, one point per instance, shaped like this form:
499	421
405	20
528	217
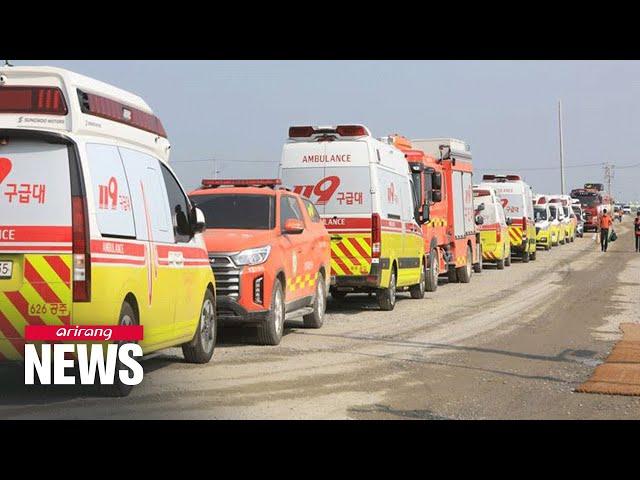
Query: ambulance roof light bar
229	182
99	106
32	99
340	130
501	178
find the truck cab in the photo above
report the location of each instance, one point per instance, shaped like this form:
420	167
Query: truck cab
269	252
363	190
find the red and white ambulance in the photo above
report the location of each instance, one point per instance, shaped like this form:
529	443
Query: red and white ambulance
94	226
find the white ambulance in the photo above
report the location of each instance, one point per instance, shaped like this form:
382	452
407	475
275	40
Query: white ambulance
362	188
95	229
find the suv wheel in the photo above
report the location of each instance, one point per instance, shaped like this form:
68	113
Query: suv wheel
316	318
270	333
200	349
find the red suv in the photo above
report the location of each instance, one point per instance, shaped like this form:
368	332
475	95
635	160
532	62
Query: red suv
270	254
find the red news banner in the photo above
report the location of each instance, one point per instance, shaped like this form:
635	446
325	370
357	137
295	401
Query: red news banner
48	333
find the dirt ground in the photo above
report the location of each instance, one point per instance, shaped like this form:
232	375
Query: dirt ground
512	344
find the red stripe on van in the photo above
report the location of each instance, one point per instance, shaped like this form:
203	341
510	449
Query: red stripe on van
32	233
62	269
10	333
111	247
39	284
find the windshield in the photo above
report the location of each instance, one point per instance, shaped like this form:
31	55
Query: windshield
540	213
566	211
589	200
233	211
554	212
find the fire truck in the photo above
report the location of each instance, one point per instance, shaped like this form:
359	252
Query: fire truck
593	201
442	179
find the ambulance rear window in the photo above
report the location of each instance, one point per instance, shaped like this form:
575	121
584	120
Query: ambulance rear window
234	211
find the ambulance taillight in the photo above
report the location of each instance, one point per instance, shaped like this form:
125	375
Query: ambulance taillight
81	251
376	235
44	100
524	227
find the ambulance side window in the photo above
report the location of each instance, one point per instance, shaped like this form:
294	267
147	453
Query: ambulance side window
180	207
312	211
289	209
111	196
148	195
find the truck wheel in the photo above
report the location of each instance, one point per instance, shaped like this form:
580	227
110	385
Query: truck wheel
507	259
316	318
119	389
432	272
533	256
452	275
525	257
270	332
337	294
387	296
477	267
200	349
464	273
417	291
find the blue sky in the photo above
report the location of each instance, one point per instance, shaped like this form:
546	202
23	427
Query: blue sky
239	112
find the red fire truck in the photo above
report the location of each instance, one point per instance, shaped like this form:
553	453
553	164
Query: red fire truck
442	178
593	201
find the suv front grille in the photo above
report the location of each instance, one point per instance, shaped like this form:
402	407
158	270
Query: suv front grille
227	276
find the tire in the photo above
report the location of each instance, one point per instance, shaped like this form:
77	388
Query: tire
316	318
507	260
270	332
464	273
547	247
417	291
432	272
387	296
118	389
533	256
477	267
525	257
500	263
338	295
200	349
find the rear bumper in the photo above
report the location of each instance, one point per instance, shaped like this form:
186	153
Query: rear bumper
361	282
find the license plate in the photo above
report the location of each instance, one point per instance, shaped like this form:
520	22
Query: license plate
6	268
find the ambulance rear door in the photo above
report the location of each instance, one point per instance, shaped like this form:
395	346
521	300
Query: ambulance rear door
35	237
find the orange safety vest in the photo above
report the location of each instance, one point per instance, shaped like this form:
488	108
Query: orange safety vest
605	221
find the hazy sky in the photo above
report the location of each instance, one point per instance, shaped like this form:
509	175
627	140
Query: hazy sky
239	112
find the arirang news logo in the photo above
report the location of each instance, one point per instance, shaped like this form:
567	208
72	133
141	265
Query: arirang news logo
54	355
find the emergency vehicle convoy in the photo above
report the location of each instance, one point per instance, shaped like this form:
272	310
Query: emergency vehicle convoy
494	228
95	228
270	254
569	221
363	190
593	201
517	200
547	227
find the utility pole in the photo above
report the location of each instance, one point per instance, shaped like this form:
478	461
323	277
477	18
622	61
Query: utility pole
608	176
562	186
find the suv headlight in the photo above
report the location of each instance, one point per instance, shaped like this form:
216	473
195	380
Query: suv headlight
252	256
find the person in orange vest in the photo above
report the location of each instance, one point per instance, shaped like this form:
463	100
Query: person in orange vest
605	225
636	228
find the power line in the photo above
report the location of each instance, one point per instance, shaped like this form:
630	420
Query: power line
584	165
220	160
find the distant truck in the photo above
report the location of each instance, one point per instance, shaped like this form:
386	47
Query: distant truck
593	201
443	181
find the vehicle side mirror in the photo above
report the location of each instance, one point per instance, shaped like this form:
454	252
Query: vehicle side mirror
436	196
293	226
421	217
436	181
480	207
479	220
508	221
199	224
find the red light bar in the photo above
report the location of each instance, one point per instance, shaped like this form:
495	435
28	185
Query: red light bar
44	100
513	178
118	112
542	200
351	131
488	177
257	182
300	132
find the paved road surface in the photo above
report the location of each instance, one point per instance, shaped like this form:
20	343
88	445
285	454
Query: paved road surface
512	344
